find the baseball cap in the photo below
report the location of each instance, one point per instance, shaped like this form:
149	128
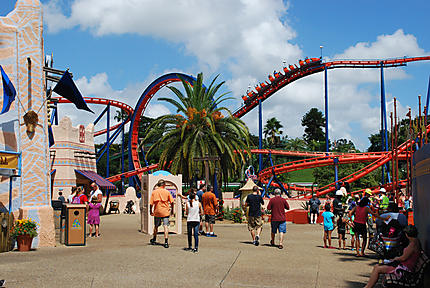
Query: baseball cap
382	190
368	191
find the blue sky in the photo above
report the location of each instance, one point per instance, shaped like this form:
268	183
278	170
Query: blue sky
116	48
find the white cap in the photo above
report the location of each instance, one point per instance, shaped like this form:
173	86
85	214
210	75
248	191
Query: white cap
382	190
339	193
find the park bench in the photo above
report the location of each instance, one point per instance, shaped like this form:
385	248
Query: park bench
410	279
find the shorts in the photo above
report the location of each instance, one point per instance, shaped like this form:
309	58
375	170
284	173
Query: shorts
341	234
360	229
280	226
159	220
328	228
210	219
254	222
314	211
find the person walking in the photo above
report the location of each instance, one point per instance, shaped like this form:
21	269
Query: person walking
194	210
200	192
210	208
80	197
278	205
161	207
361	212
255	223
314	206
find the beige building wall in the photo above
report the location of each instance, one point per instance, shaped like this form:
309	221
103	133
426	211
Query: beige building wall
21	43
73	149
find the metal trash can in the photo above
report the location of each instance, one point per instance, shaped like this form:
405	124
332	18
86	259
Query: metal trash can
76	217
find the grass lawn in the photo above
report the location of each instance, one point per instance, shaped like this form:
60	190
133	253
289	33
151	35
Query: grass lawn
301	176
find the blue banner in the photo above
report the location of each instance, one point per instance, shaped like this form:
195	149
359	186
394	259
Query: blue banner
9	92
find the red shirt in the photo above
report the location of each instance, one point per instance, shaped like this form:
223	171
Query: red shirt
278	206
83	198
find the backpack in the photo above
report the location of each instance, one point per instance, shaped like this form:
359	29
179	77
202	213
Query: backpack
76	200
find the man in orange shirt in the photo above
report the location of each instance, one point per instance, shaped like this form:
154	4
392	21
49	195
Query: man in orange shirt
210	207
161	206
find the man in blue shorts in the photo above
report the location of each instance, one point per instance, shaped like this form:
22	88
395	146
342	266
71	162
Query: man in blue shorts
278	205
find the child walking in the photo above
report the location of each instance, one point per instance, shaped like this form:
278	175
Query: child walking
193	210
328	226
94	217
341	230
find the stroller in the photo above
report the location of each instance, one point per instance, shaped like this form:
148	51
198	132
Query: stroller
129	207
389	240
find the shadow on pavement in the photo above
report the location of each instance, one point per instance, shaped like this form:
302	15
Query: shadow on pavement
354	284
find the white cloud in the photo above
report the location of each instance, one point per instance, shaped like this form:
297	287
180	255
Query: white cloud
237	36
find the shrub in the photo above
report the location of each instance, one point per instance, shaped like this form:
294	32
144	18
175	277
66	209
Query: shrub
237	215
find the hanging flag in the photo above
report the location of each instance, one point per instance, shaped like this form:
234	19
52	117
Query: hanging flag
67	88
50	136
9	92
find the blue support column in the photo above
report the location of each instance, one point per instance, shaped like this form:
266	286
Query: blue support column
107	140
383	121
122	158
427	102
336	178
260	135
326	109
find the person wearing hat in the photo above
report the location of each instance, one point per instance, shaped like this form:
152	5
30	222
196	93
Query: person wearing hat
385	200
161	207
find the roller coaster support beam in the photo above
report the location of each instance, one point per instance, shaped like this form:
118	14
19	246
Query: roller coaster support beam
100	116
102	150
384	134
260	135
326	109
108	140
427	105
122	157
336	178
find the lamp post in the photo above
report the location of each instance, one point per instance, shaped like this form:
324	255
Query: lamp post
321	47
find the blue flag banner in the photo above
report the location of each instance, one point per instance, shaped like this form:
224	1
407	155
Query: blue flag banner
50	136
9	92
67	88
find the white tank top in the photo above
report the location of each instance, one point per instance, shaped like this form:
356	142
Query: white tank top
193	212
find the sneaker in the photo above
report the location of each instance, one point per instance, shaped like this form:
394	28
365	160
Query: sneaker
272	243
195	250
152	241
2	282
188	249
166	245
257	240
212	235
202	233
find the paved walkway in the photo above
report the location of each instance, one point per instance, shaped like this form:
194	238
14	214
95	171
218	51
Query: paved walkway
123	258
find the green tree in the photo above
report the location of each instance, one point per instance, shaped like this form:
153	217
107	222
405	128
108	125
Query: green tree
343	145
199	129
313	121
272	129
295	144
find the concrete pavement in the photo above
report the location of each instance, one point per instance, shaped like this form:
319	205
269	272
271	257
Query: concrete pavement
122	257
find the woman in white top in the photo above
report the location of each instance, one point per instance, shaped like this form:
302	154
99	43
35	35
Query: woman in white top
193	209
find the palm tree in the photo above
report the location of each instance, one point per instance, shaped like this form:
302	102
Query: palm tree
272	128
199	129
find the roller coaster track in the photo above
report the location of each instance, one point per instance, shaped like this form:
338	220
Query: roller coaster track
103	101
322	159
299	73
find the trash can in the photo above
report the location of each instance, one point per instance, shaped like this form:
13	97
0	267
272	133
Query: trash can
75	224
